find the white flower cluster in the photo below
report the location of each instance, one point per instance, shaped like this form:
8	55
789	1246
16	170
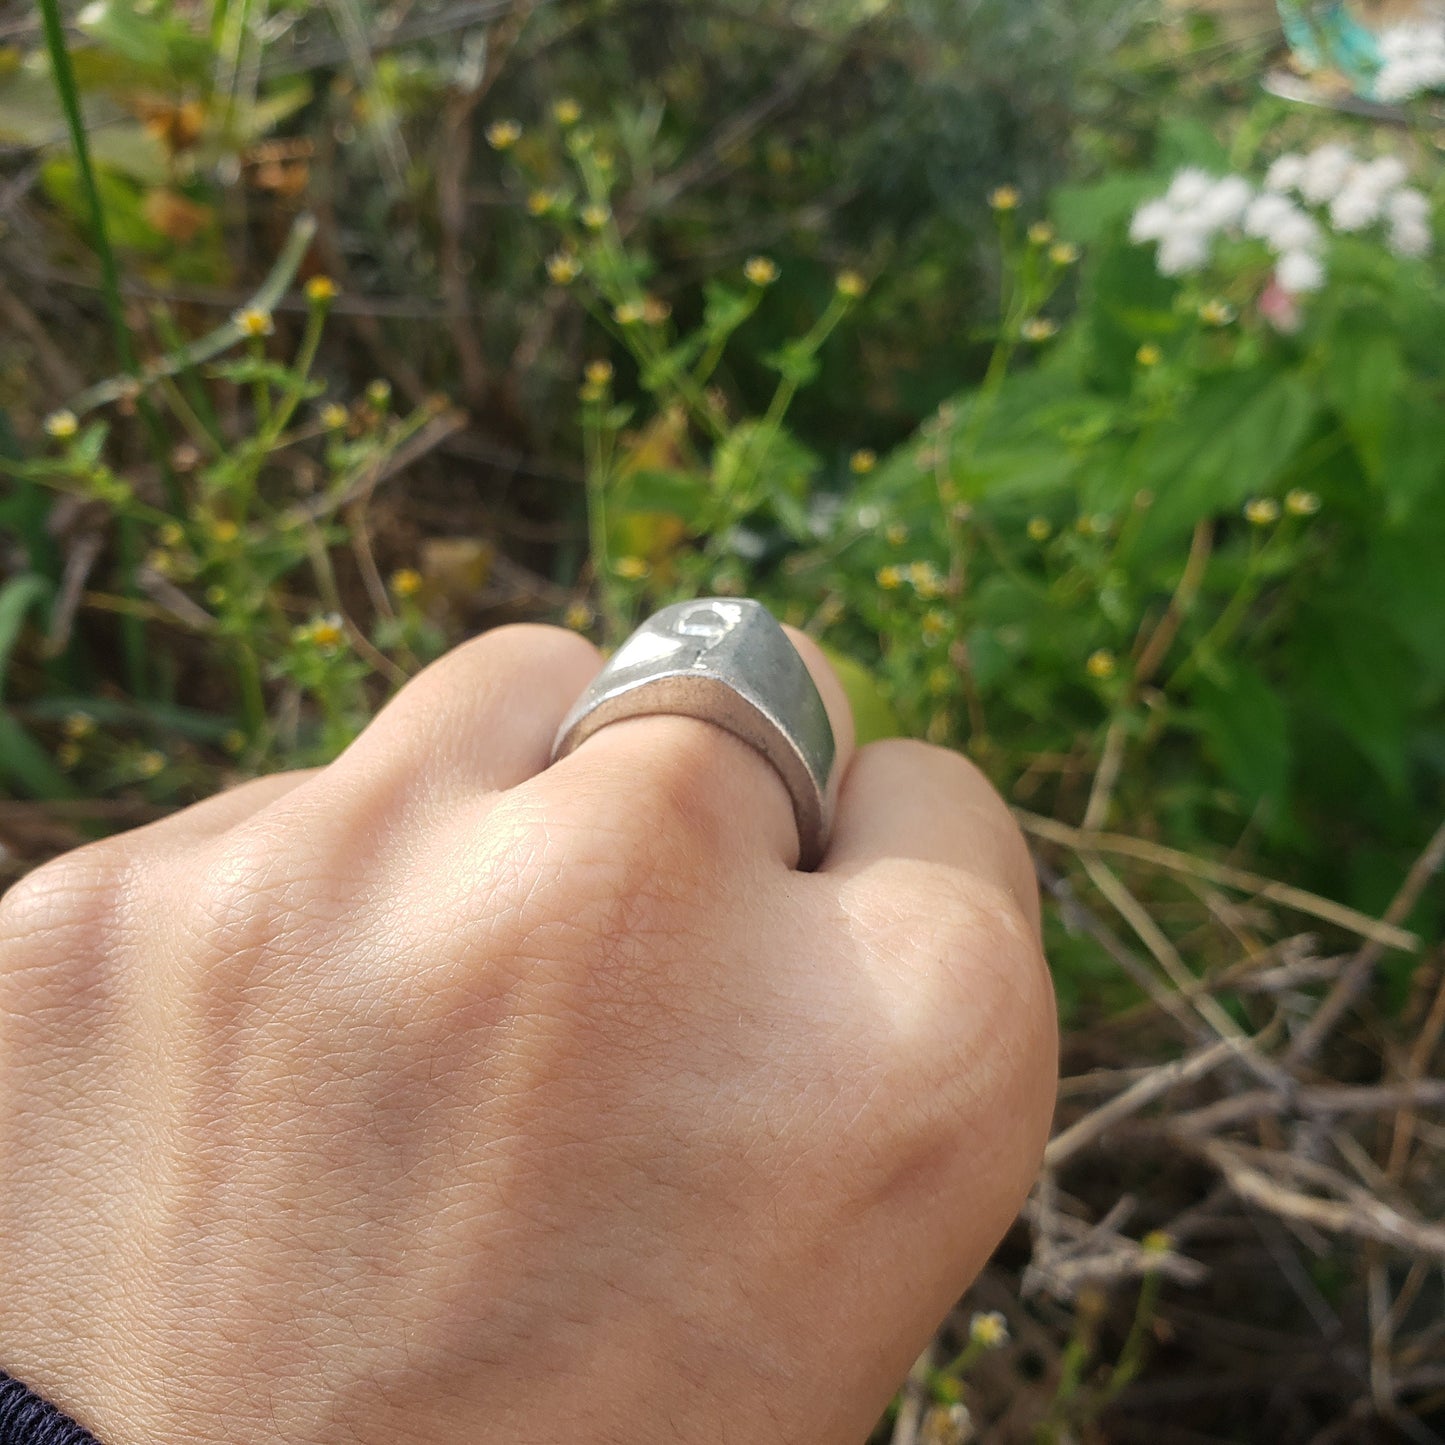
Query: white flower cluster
1198	208
1412	61
1358	194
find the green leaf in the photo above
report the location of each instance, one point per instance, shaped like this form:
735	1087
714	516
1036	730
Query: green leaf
873	714
1246	728
1354	672
1364	376
725	308
17	598
1231	440
652	490
26	766
158	41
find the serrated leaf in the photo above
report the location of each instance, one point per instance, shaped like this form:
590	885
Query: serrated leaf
1232	440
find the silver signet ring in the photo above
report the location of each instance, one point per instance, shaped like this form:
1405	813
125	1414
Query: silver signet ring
724	660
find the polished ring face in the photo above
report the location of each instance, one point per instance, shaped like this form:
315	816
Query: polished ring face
724	660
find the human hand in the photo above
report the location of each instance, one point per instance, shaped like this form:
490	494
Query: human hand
438	1095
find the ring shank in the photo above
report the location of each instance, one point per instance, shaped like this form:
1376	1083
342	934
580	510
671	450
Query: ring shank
745	677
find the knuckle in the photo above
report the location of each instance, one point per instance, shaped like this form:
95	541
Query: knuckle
601	904
260	894
58	929
75	891
973	1044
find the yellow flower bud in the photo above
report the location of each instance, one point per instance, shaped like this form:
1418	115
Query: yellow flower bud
1005	198
1102	665
503	134
405	582
761	270
252	321
62	425
563	268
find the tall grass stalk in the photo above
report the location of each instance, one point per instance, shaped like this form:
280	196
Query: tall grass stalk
132	628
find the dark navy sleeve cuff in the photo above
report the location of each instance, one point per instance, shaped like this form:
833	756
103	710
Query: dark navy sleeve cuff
26	1419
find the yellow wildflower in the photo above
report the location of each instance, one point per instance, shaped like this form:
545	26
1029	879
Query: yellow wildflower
761	270
1148	355
578	617
150	764
1102	664
1040	529
890	579
896	533
567	111
320	289
1261	511
934	626
631	569
1005	198
599	373
563	268
862	461
378	392
252	321
62	425
629	313
1041	233
78	725
540	202
1063	253
405	582
925	579
851	284
1216	312
503	134
989	1329
595	217
224	531
1157	1241
327	633
1039	328
171	534
1300	503
334	416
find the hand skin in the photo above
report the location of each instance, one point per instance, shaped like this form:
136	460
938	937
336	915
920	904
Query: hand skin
440	1096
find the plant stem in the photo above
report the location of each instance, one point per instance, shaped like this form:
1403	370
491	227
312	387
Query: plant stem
132	629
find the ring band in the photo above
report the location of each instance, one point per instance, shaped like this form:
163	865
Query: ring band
724	660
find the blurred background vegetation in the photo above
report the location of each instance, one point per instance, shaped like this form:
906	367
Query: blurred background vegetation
332	332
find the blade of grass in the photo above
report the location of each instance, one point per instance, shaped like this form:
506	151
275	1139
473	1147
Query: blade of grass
132	629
